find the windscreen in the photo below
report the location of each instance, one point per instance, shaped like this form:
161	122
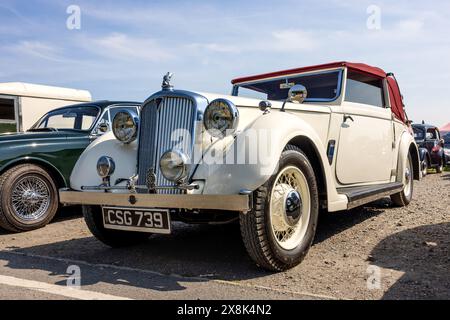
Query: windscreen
323	86
75	118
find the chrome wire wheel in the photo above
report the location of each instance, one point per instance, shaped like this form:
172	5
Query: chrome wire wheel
30	198
290	208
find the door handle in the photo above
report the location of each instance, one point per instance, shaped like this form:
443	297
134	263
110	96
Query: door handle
347	117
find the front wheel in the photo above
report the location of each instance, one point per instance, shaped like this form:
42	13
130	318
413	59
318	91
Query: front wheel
113	238
28	198
404	197
280	229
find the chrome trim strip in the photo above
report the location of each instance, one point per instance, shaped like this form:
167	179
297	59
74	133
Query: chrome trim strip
129	187
164	201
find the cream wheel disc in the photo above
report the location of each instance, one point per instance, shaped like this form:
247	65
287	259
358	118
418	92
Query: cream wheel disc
290	208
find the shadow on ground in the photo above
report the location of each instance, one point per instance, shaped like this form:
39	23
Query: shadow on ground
216	252
423	254
204	252
67	213
63	214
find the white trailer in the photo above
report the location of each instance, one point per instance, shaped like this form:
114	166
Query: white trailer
22	104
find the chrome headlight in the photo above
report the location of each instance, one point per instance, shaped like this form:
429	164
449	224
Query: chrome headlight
221	118
174	165
125	126
105	166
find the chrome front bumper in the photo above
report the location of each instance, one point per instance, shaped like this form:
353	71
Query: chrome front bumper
164	201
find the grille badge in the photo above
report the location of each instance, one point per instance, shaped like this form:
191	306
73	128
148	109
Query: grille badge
151	180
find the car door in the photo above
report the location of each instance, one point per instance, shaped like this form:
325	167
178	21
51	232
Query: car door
366	142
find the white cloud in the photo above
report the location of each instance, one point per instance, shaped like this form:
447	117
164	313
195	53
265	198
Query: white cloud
123	47
293	40
215	47
286	41
410	25
36	49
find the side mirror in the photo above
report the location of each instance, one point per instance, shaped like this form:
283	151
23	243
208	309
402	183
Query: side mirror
442	143
297	94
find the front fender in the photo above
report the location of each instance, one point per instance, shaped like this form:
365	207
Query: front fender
124	155
256	151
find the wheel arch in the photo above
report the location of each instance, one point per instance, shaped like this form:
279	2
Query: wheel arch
416	160
310	150
58	178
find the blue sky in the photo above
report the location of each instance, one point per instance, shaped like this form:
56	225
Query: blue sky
124	47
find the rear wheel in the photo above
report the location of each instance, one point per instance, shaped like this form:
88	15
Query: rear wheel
280	229
28	198
113	238
440	167
425	168
404	197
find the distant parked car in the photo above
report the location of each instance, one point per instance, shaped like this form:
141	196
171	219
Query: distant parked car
431	147
446	138
35	164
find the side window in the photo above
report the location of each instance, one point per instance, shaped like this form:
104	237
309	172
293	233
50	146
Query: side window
7	115
364	89
87	121
431	134
418	134
61	121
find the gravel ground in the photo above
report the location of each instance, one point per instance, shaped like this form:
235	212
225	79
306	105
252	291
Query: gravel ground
374	252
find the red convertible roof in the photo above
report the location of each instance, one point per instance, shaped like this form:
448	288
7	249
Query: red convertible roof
394	90
355	66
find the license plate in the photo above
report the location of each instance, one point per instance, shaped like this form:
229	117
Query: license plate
134	219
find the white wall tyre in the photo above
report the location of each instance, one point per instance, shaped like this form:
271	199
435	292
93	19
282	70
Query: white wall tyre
280	229
404	197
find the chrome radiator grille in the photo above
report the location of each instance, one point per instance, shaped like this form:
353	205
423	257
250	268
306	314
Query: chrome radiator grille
165	124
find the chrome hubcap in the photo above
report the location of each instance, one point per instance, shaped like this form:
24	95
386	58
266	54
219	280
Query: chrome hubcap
293	207
30	198
408	180
290	208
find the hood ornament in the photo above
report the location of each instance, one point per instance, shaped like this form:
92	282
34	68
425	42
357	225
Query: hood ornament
166	81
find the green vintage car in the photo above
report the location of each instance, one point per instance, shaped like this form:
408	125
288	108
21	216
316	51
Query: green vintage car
36	163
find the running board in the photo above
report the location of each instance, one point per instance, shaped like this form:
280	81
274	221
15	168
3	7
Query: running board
357	196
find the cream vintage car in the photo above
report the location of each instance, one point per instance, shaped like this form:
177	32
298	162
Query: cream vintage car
281	148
